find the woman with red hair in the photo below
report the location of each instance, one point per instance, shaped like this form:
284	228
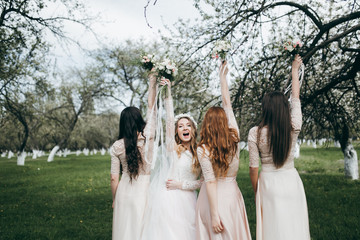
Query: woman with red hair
220	209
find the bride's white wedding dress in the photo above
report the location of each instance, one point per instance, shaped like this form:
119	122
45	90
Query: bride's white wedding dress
171	213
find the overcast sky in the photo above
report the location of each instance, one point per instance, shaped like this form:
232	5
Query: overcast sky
121	20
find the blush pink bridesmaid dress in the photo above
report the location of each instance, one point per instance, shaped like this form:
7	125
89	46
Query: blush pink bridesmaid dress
231	204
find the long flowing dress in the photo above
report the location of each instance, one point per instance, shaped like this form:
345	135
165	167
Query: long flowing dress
171	213
131	197
231	204
281	209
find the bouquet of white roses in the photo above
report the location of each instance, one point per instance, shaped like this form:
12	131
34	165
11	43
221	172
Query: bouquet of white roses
166	69
148	61
292	47
221	48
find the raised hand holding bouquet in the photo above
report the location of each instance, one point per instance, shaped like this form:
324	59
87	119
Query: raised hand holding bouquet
220	50
166	69
293	47
148	61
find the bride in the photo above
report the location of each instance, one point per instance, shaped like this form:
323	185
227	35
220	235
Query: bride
172	200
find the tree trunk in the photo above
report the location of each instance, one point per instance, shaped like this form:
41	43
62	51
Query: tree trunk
62	143
297	150
52	153
35	153
21	159
351	165
17	111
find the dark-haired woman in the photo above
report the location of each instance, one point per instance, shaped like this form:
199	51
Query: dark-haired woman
281	209
130	194
220	209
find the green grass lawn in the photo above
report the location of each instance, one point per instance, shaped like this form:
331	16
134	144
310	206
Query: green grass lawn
70	198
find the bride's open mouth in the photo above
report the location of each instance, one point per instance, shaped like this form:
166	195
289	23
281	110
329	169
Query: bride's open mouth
186	134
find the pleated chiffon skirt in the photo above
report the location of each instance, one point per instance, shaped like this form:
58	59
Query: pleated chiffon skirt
281	208
129	207
231	209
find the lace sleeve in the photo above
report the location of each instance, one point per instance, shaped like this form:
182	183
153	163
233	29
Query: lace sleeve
231	119
150	127
170	122
192	185
149	130
296	115
116	150
253	148
206	166
226	102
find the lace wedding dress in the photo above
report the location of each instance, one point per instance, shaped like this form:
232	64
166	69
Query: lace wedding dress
171	213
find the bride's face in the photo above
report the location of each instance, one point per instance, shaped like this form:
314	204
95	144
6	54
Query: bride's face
184	130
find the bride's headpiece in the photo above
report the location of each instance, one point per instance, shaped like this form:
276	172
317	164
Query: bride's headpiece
185	115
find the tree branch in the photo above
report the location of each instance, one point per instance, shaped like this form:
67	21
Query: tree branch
351	74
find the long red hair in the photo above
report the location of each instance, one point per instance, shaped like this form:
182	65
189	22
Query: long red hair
219	139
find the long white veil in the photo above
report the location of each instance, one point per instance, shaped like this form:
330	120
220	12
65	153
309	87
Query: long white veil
161	158
162	161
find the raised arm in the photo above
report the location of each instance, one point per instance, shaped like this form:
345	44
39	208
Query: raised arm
296	115
295	90
225	97
170	119
150	127
149	130
152	90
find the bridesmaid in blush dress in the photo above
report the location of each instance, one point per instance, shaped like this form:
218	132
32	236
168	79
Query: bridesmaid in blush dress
220	209
281	209
130	194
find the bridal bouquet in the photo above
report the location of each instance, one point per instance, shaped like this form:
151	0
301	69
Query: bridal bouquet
148	61
166	69
292	47
221	48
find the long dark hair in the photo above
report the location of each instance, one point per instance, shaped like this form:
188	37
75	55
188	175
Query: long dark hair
276	116
132	123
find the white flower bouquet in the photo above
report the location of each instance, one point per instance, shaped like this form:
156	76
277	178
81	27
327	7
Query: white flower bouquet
166	69
221	48
292	47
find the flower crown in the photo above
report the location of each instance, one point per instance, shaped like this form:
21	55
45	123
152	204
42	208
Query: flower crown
185	115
